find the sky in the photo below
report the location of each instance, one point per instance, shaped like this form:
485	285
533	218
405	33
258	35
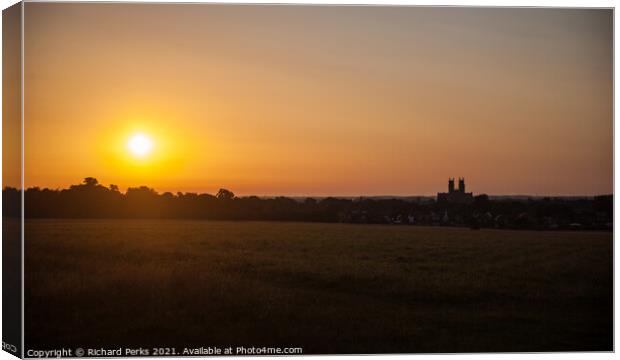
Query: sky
319	100
11	97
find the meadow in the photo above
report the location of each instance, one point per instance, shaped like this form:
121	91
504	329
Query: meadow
328	288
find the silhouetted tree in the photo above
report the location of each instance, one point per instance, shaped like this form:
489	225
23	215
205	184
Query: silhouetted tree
224	194
90	181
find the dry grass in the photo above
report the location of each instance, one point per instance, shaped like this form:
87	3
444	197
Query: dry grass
328	288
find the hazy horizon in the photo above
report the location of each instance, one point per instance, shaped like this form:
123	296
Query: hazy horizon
319	100
301	195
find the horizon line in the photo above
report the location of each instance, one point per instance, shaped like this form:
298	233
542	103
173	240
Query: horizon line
434	195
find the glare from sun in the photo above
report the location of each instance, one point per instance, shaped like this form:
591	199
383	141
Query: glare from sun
140	145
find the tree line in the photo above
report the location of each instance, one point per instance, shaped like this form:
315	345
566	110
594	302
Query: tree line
90	199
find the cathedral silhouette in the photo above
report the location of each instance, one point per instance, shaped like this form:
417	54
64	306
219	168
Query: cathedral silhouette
455	195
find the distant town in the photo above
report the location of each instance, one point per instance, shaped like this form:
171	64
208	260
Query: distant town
456	207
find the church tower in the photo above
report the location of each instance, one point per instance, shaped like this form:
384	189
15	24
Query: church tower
462	185
455	196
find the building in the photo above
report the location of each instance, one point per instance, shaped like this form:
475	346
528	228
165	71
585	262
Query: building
458	196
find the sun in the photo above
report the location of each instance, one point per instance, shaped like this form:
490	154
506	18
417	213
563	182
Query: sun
140	145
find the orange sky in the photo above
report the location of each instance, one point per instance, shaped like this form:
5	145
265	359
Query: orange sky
313	100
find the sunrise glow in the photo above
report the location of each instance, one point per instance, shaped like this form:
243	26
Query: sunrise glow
279	108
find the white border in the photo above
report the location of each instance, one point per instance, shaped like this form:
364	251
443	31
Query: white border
475	3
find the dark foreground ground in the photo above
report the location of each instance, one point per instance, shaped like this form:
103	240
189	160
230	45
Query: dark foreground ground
328	288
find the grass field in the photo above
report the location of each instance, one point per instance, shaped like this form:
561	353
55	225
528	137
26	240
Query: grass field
328	288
